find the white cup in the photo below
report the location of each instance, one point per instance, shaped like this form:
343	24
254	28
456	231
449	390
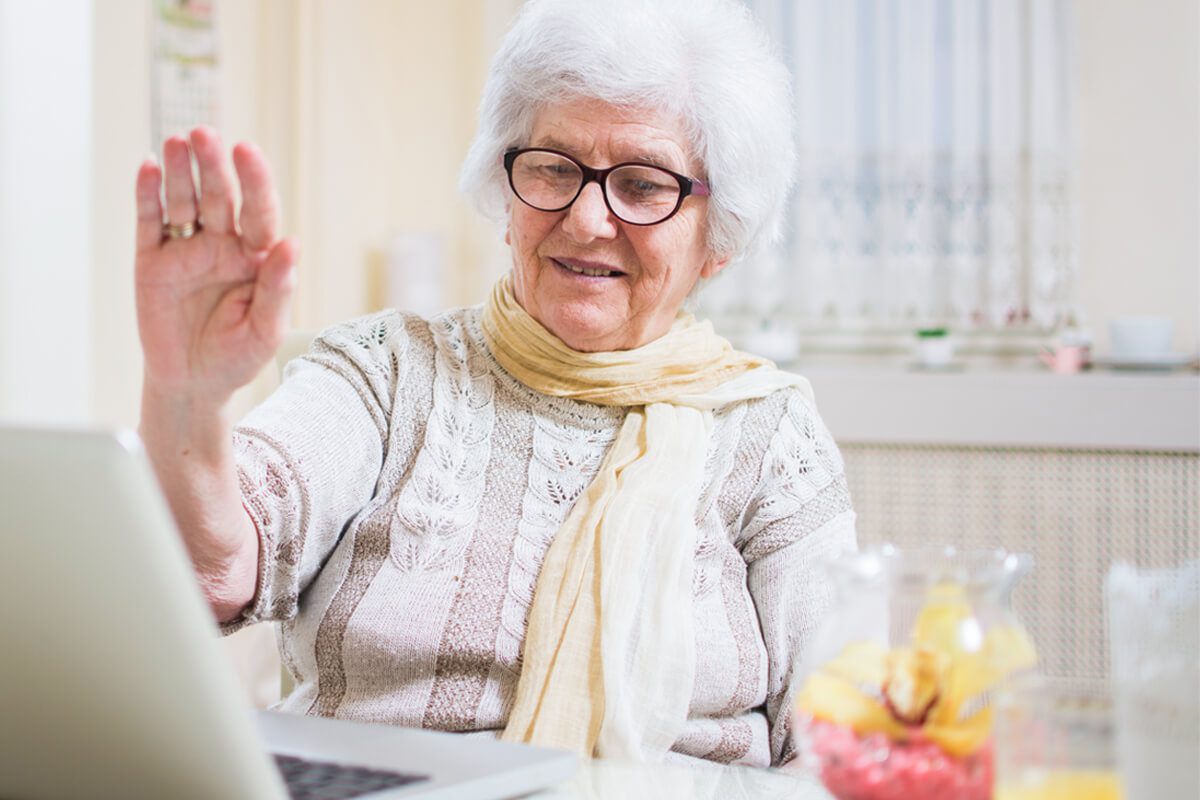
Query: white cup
1141	337
934	351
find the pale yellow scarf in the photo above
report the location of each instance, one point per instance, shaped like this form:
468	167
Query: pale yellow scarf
609	654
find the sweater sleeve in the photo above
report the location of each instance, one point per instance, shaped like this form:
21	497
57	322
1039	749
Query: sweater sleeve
799	518
310	456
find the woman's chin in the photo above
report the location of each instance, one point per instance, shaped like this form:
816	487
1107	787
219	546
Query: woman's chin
589	331
590	342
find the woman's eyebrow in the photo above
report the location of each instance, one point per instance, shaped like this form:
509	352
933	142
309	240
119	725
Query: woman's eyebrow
655	160
554	144
651	157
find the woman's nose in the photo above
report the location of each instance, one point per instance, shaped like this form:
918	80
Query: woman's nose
588	217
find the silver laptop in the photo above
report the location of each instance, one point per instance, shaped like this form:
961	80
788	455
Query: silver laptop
112	683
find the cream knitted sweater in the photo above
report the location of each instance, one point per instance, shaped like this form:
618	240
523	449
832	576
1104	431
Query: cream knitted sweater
405	489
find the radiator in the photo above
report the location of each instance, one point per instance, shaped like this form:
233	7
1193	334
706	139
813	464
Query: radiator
1074	511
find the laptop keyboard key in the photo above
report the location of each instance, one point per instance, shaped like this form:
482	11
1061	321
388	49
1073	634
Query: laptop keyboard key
325	780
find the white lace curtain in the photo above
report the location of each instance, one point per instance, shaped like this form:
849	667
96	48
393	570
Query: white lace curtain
934	176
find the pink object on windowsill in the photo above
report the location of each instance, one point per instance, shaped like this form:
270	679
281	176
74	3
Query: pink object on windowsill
1065	359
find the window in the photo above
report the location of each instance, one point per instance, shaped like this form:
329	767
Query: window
934	172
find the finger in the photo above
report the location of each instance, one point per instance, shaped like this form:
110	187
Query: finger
259	219
149	208
273	289
216	181
181	191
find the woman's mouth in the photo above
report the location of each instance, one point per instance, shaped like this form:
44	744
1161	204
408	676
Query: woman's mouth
588	268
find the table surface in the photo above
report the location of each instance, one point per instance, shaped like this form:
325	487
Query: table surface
605	780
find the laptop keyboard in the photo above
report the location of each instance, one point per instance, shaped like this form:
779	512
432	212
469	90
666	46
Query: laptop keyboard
324	780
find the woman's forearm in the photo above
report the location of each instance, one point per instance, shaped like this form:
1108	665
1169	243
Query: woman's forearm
190	446
212	302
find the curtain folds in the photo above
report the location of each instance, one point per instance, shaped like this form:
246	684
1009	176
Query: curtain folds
934	177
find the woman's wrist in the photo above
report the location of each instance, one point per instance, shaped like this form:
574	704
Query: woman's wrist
189	441
190	428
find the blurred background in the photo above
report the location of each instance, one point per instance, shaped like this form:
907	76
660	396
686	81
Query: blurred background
1021	173
366	107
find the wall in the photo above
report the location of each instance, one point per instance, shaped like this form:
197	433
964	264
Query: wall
120	140
46	274
370	123
364	109
1138	126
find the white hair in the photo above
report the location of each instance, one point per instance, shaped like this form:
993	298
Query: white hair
705	62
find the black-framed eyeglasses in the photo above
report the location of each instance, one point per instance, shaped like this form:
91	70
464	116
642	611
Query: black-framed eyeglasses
637	193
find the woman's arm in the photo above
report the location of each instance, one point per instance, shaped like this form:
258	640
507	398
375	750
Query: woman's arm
191	451
212	310
309	457
792	594
804	518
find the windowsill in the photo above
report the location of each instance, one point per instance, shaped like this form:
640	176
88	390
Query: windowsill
1016	404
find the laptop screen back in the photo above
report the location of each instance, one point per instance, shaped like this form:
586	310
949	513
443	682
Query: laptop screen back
109	684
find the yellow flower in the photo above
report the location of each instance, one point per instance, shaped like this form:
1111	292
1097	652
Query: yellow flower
916	677
924	687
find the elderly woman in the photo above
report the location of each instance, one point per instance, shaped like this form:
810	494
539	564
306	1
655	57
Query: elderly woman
573	516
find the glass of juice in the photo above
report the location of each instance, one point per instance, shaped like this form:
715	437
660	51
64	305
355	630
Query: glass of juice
1054	741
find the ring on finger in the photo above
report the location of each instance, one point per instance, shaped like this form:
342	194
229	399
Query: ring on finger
185	231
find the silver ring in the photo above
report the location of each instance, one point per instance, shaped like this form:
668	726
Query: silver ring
185	231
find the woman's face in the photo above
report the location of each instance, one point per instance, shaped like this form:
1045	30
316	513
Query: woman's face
651	269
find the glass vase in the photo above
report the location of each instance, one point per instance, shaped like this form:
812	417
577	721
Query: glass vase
897	685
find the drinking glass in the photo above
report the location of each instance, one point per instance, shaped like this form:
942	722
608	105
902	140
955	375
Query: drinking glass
1054	741
1154	638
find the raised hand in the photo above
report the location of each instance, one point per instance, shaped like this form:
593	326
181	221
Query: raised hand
213	306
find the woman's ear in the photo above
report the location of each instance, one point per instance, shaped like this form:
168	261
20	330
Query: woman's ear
714	265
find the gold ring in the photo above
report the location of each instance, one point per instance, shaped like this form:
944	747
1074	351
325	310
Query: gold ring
185	231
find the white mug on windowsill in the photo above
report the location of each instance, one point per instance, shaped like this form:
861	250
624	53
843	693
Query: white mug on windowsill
1143	338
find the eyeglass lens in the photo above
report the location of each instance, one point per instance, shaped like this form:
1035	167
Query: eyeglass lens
636	193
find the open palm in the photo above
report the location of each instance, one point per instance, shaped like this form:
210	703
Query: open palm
213	307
